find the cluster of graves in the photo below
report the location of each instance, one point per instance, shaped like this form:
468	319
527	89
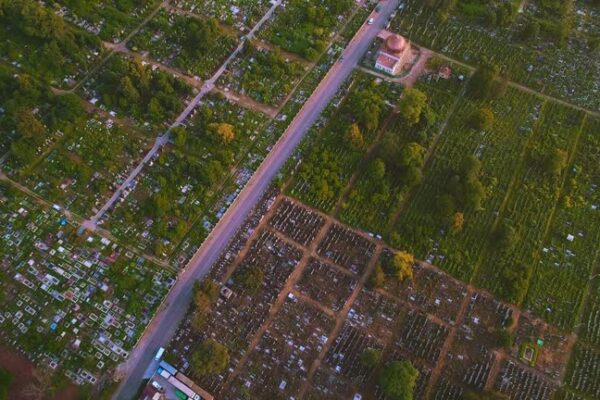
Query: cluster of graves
67	295
304	331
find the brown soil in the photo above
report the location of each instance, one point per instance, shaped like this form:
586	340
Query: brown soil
21	369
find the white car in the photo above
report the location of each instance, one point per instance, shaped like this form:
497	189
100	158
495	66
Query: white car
370	21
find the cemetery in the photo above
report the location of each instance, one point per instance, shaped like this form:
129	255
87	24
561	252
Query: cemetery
306	28
196	46
185	183
131	87
110	20
241	14
69	301
459	339
537	46
266	75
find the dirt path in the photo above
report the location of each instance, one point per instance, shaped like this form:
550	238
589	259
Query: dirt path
437	370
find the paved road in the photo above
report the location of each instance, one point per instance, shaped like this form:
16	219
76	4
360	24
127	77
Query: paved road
163	326
164	139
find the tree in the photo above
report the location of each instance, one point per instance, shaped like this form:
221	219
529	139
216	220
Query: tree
355	136
224	131
411	105
377	278
458	220
370	357
504	236
482	119
211	357
402	265
556	162
29	126
251	278
205	294
376	170
531	30
503	339
6	379
398	380
481	84
179	136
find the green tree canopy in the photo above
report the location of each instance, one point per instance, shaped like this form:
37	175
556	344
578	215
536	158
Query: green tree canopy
211	357
411	105
398	380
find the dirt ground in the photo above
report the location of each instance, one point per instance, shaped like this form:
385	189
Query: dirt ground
21	369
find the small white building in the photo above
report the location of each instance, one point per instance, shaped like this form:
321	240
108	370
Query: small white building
393	54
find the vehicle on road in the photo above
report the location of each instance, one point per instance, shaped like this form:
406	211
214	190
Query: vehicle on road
159	354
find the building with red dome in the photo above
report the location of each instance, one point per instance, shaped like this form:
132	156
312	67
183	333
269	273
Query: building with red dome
393	54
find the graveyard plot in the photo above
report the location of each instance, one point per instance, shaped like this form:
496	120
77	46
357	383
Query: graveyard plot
279	364
344	356
447	390
329	384
133	88
517	382
235	318
326	284
306	28
584	371
541	62
69	298
507	268
429	290
58	54
477	341
265	75
188	184
542	346
347	248
426	225
297	222
242	14
33	119
196	46
243	236
569	254
420	338
376	314
110	20
383	183
90	162
328	164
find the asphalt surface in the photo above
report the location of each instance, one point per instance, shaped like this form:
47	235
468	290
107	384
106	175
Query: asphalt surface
164	325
